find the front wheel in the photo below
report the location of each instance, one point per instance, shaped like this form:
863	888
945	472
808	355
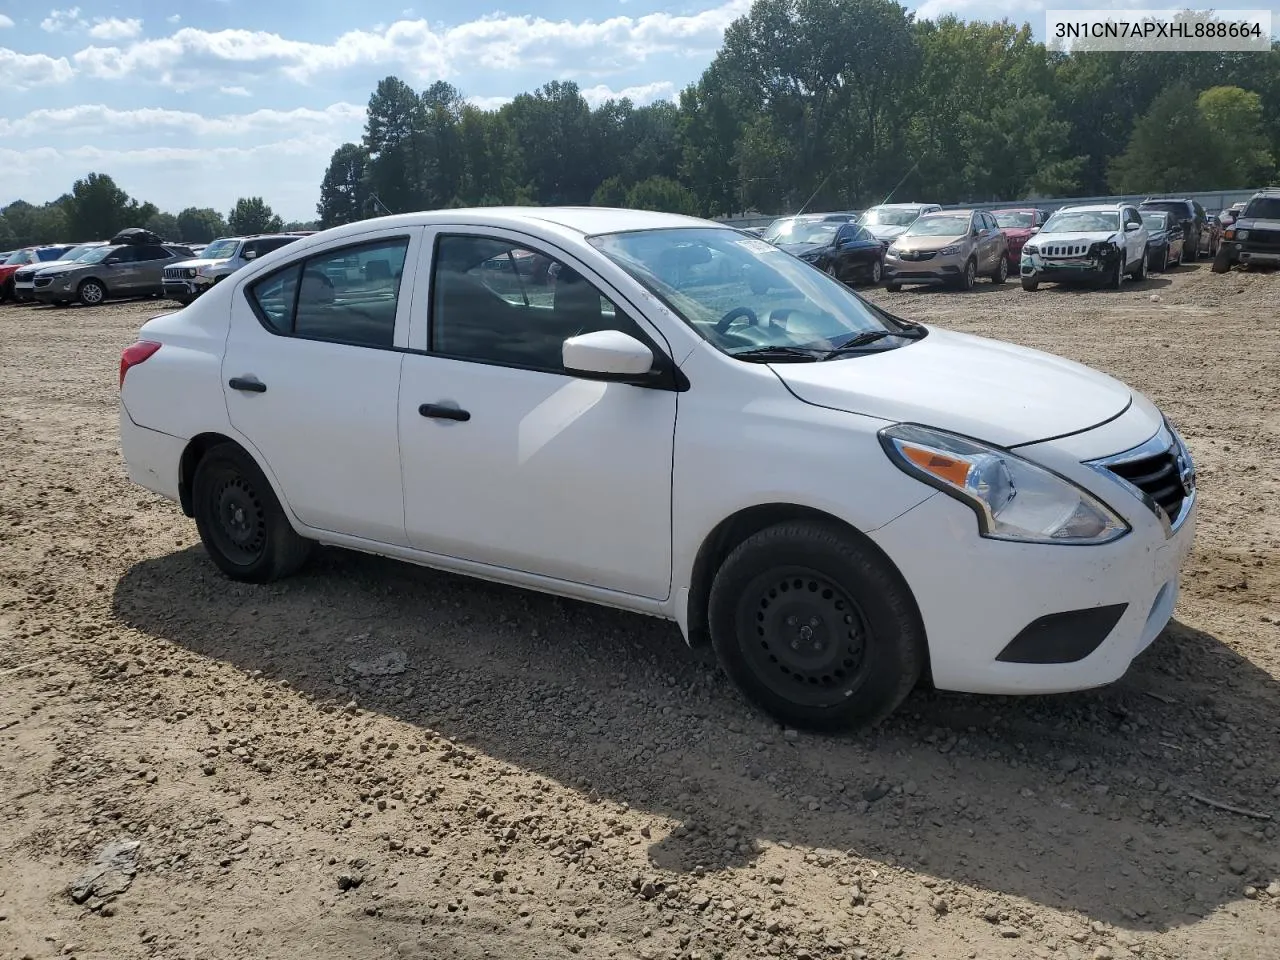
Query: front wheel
970	275
241	523
1221	262
1030	284
91	293
875	271
893	287
815	627
1002	272
1163	263
1141	272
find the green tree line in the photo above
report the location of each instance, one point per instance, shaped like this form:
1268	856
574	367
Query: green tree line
96	208
839	103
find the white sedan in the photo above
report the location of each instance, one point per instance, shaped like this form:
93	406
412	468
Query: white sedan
574	401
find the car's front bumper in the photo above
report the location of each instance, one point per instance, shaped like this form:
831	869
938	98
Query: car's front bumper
53	293
977	596
1082	269
185	289
937	269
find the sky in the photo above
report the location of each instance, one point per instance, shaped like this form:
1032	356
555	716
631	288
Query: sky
198	102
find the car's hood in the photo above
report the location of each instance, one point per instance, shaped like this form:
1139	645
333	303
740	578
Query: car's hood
1016	233
1252	223
61	268
993	391
927	243
1043	238
800	249
37	267
885	231
198	262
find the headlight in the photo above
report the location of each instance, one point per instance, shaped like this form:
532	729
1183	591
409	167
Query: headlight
1014	498
1030	248
947	251
1242	234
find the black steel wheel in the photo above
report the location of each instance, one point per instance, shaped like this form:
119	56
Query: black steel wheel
241	523
815	626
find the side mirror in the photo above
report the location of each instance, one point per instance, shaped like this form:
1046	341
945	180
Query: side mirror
1132	227
606	355
250	254
1035	230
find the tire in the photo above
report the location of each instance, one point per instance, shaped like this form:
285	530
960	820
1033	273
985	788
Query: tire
893	287
876	271
1192	253
1117	281
1030	284
1164	261
841	651
6	291
1141	272
241	524
970	275
91	292
1002	271
1221	262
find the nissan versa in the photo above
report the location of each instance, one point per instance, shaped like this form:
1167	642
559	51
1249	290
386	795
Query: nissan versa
836	499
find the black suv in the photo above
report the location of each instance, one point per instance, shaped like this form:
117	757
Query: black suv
1187	213
1255	236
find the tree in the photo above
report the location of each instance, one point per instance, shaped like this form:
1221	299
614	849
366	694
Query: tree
200	225
393	139
98	208
6	233
163	224
293	226
662	193
1234	118
552	126
344	191
1171	148
612	193
252	215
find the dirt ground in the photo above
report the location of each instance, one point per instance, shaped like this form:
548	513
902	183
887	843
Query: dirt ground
373	760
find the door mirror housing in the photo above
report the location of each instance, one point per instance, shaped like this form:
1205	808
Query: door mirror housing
1131	227
250	254
606	355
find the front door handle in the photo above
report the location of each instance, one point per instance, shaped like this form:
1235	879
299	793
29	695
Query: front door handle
439	412
247	385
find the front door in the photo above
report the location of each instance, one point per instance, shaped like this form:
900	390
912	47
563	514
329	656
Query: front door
511	462
311	376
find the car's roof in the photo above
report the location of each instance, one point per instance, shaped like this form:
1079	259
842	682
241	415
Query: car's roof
1165	200
958	212
905	206
1095	208
1015	210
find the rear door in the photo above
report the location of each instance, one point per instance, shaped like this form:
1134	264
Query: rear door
311	376
148	273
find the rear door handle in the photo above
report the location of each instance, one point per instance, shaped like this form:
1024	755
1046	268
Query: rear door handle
247	385
439	412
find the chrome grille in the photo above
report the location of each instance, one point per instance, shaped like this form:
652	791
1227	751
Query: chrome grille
43	281
173	273
1160	472
918	254
1064	250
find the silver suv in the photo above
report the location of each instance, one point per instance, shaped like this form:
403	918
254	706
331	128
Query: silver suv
187	280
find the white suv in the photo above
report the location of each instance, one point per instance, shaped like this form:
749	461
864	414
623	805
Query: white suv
835	498
1101	243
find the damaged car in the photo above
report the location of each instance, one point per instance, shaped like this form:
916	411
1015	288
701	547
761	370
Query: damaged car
1099	244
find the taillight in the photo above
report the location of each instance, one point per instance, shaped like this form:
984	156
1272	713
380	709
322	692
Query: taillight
135	354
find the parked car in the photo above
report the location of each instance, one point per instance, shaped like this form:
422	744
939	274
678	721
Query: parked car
112	270
1188	213
844	250
1229	216
188	279
951	247
1211	237
1164	241
824	492
1255	236
1019	224
22	258
24	280
888	221
1099	243
787	230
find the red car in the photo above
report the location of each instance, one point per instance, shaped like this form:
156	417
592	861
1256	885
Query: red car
22	258
1019	225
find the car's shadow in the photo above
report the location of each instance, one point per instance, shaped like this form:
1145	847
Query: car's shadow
1076	802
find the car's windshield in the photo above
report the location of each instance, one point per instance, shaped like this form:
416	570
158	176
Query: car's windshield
1263	208
743	294
939	227
802	231
18	257
76	253
1156	221
220	250
96	255
1015	218
889	217
1082	221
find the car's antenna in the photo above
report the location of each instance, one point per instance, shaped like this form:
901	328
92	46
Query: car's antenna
902	181
378	200
814	194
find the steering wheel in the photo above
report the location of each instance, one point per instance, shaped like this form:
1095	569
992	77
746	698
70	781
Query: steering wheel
736	313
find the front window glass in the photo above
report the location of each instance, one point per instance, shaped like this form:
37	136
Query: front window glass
939	227
802	231
1263	208
743	294
1015	218
1082	221
220	250
76	253
1156	221
888	217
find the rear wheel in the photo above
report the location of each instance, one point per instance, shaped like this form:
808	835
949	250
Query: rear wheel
815	627
91	293
241	523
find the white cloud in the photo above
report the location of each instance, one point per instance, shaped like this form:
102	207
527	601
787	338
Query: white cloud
174	18
235	91
23	70
5	21
641	95
113	28
92	120
986	9
191	57
59	21
488	103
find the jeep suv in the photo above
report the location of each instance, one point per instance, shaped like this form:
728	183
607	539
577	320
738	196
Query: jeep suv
187	280
1187	213
1255	236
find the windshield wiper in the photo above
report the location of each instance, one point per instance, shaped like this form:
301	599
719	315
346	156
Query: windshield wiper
855	343
781	353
